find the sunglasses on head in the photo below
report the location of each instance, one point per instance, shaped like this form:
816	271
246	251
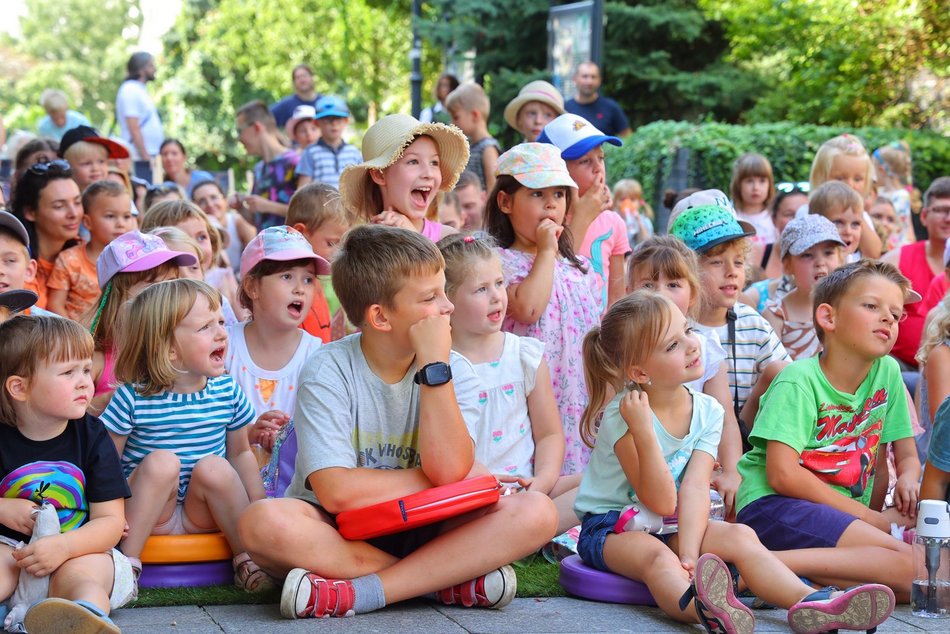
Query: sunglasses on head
44	168
788	188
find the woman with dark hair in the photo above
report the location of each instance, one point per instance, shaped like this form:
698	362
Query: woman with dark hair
437	112
48	203
35	151
175	166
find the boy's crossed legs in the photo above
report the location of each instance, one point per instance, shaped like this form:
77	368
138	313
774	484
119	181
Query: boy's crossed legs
284	534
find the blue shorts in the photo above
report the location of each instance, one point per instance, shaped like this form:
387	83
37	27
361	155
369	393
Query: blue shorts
594	531
784	523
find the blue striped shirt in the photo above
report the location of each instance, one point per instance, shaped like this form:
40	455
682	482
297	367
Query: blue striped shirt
324	165
190	425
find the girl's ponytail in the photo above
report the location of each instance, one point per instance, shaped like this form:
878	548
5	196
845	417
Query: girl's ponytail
599	372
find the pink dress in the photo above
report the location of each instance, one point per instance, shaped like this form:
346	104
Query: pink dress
571	313
431	230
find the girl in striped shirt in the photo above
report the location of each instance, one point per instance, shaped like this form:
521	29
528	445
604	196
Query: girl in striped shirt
178	423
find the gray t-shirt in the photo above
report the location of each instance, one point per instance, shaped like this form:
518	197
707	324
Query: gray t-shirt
348	417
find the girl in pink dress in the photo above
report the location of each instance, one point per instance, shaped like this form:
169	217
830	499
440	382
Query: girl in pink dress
550	293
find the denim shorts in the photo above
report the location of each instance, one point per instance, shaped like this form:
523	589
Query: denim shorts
594	531
784	523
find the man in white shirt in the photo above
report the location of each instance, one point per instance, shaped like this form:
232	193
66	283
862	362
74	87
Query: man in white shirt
138	119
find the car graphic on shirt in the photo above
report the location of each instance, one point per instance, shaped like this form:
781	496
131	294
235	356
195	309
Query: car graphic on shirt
848	462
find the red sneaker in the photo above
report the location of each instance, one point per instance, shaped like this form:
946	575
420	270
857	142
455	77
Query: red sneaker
307	596
494	590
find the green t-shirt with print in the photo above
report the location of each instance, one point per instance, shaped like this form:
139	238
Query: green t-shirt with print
836	434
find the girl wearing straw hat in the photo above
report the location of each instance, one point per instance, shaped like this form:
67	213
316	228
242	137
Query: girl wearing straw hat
407	164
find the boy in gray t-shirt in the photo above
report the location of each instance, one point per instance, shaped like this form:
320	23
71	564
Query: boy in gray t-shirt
382	414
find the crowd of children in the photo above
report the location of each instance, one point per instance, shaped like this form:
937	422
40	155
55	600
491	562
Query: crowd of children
428	308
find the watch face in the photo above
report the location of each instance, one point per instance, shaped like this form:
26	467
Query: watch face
438	373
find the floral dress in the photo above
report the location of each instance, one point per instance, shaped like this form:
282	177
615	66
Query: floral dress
572	311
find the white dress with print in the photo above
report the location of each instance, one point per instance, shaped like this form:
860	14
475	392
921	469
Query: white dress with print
505	443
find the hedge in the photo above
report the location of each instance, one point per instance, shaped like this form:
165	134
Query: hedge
649	154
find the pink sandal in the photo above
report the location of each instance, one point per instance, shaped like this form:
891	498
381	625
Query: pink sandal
249	577
713	591
861	607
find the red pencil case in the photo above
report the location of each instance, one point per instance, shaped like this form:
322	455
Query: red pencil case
419	509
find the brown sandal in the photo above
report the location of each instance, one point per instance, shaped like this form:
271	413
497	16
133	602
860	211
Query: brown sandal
249	577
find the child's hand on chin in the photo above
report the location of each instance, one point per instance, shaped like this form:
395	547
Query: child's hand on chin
431	339
392	218
549	232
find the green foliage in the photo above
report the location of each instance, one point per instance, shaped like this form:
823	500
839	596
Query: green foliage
662	59
224	53
666	60
832	62
503	36
648	155
83	54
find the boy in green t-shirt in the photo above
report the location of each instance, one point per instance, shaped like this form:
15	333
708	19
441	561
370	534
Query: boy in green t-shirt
808	484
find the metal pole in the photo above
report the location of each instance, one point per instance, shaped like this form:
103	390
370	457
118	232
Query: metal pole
415	56
597	39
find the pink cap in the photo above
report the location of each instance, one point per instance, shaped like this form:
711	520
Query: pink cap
137	251
280	244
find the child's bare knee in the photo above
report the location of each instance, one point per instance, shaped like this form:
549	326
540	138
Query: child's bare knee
160	465
213	471
539	513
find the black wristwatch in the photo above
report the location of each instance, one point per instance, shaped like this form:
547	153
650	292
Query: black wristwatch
437	373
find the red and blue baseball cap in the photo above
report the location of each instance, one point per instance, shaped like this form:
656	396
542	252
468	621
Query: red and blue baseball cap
90	135
280	244
574	136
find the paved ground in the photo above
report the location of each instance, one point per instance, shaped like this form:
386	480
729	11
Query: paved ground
523	616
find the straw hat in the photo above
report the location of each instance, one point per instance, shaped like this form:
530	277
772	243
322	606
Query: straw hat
385	142
534	91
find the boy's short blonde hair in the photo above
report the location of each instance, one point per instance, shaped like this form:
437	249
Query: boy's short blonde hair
144	358
833	195
316	204
26	341
831	288
54	100
101	188
469	97
81	150
374	261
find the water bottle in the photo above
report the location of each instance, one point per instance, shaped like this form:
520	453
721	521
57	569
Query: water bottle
637	517
930	592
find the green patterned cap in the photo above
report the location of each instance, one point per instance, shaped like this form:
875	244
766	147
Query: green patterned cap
702	228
